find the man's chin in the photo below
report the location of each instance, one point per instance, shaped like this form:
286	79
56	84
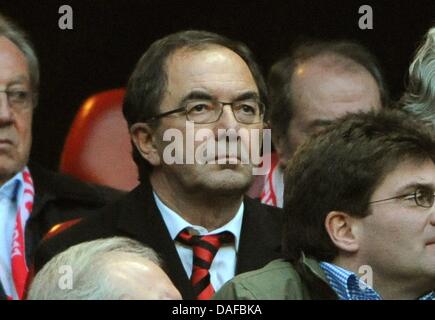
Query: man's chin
8	168
229	182
6	174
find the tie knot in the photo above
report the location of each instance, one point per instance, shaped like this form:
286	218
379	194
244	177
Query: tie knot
204	250
214	240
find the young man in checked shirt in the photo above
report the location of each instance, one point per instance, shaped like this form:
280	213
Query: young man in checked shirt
360	216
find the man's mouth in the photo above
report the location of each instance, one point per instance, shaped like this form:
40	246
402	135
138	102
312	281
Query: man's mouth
5	142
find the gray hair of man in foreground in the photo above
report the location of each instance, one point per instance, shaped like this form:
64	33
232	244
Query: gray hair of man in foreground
419	97
91	264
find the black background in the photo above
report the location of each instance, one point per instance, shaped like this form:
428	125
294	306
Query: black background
109	36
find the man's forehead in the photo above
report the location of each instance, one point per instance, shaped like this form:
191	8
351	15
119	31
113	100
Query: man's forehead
410	173
329	62
13	63
19	79
9	48
216	70
333	78
330	103
192	61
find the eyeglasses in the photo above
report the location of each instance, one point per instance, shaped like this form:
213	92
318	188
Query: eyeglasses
422	197
209	111
18	100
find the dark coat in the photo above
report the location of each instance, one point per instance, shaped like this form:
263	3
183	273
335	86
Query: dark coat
136	216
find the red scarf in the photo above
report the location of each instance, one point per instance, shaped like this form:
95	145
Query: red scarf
20	270
268	195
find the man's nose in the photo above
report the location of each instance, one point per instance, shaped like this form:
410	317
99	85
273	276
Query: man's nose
432	215
227	119
6	114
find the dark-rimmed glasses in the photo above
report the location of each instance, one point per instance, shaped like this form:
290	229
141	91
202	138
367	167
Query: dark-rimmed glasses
422	197
249	111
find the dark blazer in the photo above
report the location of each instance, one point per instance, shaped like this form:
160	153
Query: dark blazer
137	216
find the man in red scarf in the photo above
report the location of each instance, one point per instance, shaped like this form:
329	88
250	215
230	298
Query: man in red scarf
32	200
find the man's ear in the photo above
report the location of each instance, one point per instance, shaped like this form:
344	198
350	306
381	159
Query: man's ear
143	138
343	231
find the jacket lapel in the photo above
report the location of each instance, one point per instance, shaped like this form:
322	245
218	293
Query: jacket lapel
141	219
34	231
2	293
260	237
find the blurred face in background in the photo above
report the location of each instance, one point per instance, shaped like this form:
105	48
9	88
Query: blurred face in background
322	91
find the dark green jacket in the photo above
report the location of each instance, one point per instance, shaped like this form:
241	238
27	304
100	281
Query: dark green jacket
279	280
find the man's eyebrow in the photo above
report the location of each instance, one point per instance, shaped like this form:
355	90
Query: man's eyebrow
320	123
414	186
196	95
18	80
247	96
201	95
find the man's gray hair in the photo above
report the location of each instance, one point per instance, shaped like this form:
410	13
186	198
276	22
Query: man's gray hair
419	97
88	264
11	31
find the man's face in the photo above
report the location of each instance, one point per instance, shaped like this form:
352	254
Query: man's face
140	279
212	73
15	122
322	93
398	238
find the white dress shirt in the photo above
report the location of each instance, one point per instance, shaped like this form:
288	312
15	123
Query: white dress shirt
8	211
223	267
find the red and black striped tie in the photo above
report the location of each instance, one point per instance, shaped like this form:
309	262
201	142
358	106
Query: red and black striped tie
204	250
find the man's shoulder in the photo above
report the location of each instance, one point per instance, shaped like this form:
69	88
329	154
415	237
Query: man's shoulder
256	206
101	224
277	280
105	222
278	268
63	187
262	214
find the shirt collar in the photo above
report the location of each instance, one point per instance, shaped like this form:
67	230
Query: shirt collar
175	223
12	187
349	286
429	296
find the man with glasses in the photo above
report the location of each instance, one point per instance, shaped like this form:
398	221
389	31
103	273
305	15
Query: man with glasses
359	216
193	213
32	200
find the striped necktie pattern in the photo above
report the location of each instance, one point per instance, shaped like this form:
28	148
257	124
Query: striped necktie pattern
204	250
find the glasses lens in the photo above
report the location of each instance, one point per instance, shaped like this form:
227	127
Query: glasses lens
202	111
208	111
249	111
18	98
424	198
